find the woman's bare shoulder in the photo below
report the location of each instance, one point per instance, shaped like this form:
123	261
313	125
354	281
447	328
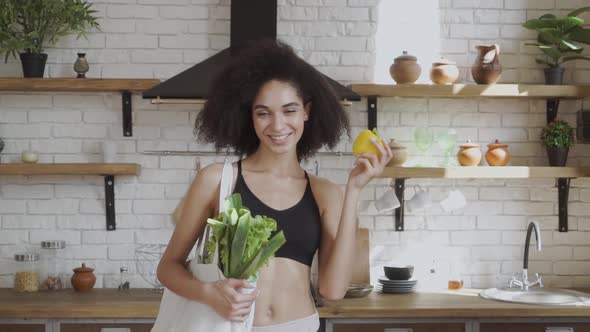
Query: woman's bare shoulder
325	192
210	174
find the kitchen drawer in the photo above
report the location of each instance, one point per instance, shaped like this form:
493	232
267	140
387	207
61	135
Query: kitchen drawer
105	327
534	327
409	327
22	327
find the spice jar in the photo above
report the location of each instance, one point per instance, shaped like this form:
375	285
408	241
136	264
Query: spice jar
26	278
51	264
124	283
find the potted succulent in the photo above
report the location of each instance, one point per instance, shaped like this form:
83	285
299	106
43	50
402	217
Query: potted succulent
560	39
26	26
558	137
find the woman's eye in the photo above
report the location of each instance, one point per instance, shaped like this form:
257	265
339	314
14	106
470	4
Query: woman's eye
291	110
262	114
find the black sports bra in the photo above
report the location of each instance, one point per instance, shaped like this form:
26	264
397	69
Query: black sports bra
300	223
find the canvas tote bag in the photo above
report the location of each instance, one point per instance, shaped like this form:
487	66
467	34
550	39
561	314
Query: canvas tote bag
178	314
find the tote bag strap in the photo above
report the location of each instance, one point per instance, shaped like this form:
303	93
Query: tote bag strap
225	188
226	184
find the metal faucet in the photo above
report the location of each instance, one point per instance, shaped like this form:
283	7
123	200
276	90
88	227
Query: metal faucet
524	284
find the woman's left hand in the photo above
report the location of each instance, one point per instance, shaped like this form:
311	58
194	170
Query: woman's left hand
369	165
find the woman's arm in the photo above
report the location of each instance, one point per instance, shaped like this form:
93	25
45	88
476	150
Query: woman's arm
200	204
339	224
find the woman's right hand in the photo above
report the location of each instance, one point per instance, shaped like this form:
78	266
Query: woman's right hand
225	298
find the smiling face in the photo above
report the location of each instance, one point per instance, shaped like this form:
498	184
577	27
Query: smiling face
278	114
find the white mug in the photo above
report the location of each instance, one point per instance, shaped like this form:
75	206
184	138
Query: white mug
421	200
109	151
387	202
454	201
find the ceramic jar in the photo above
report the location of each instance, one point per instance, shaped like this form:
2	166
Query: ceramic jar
405	69
469	154
83	279
487	68
399	153
497	154
444	72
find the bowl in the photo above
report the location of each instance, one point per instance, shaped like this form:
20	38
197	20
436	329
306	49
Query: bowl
398	272
358	290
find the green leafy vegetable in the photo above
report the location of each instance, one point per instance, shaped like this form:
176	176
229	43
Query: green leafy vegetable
244	242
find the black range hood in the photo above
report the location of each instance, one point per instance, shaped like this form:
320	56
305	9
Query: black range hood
250	20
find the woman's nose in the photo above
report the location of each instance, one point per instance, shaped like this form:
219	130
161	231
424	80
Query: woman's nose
278	121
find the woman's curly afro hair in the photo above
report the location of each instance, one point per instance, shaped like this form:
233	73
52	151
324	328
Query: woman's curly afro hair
226	119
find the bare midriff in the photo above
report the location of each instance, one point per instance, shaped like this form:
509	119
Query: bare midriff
284	293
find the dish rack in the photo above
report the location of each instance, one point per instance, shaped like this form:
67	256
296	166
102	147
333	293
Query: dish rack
147	257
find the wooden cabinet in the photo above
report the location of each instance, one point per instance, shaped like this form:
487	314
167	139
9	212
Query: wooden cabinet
534	327
401	327
22	327
105	327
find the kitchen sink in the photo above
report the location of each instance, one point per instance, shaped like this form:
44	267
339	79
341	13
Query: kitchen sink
542	296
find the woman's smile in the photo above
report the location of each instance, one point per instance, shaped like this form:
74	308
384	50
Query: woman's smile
279	139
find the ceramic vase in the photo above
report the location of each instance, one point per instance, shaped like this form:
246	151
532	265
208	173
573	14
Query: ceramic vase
487	68
81	65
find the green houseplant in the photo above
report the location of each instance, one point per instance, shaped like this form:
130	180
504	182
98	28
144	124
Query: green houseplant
560	39
558	137
26	26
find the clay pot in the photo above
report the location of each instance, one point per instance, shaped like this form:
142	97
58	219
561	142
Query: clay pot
497	154
399	153
444	72
83	279
469	154
405	69
487	68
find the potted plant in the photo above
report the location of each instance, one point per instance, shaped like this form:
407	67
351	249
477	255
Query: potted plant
561	39
558	137
26	26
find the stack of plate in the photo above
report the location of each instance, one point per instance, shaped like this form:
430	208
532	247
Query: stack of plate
396	286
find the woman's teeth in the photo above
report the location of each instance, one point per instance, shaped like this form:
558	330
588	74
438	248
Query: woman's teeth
279	138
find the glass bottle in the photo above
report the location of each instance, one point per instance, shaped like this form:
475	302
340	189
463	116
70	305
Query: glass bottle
51	264
124	279
26	278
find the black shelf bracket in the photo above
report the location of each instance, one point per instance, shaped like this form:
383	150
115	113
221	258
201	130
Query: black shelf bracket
563	187
127	116
563	184
552	107
372	112
400	186
109	200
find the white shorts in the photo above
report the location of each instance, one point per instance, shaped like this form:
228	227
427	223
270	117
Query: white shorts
310	323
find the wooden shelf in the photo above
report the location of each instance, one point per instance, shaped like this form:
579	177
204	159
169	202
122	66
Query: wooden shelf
69	169
473	90
76	84
485	172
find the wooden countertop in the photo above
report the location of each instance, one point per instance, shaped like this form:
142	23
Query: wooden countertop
143	303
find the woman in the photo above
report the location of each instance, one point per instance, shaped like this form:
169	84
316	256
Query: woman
277	110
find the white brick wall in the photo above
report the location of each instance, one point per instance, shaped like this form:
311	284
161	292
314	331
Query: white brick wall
146	38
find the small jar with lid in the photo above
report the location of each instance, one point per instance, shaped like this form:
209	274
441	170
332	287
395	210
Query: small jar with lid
27	276
50	254
405	69
399	153
444	71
